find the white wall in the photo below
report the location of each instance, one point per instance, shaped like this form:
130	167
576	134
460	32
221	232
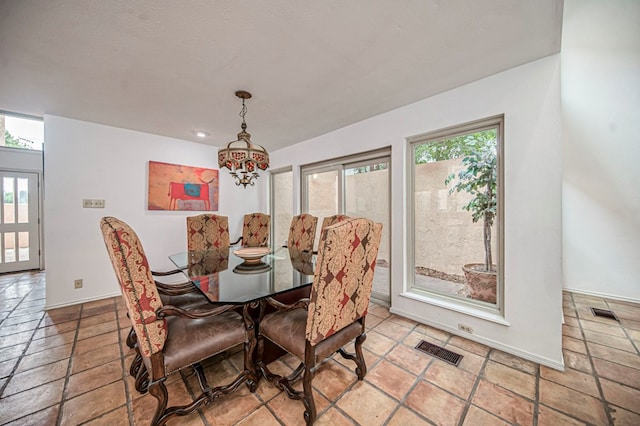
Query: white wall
529	97
601	119
87	160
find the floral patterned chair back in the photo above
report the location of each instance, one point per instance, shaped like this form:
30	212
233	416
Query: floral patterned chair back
207	231
332	220
136	282
255	230
302	232
343	277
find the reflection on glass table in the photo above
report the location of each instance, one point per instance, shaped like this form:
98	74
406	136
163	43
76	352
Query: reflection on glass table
212	271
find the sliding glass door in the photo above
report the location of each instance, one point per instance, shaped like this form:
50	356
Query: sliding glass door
357	186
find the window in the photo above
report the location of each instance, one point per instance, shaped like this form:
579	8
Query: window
455	217
18	132
281	205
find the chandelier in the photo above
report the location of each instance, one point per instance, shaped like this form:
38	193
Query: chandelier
242	157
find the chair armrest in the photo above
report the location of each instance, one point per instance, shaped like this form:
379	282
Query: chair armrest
175	289
302	303
171	310
166	273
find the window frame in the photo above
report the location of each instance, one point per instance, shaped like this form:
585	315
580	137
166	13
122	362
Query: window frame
472	307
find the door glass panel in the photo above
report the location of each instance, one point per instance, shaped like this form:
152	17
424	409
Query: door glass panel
8	196
23	200
9	247
282	206
367	195
23	246
322	196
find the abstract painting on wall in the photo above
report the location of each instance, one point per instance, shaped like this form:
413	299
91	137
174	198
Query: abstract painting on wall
176	187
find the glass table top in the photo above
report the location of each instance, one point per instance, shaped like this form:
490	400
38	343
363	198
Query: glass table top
224	277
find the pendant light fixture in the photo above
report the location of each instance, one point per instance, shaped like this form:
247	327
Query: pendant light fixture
242	157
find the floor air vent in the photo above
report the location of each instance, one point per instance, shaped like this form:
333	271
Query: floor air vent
604	313
440	353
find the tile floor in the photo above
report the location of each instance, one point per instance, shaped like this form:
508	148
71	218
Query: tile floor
70	366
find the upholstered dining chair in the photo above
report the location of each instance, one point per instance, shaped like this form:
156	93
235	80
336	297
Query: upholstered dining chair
207	231
302	232
333	316
332	220
255	230
169	338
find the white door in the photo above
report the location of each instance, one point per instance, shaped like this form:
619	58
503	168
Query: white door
19	221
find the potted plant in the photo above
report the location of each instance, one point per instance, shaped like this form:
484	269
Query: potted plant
479	179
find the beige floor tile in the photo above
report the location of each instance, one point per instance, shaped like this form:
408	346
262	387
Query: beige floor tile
437	405
117	417
514	362
48	416
611	328
470	362
409	358
577	361
572	403
95	330
366	404
416	336
45	357
37	376
95	358
93	404
229	409
622	417
607	340
106	317
405	417
510	378
262	417
378	344
477	416
391	379
450	378
332	379
31	401
473	347
441	335
615	355
291	411
621	395
332	417
573	345
617	372
549	417
93	378
392	330
573	379
95	342
503	403
405	322
570	331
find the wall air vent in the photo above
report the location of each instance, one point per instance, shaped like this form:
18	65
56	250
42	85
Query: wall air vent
440	353
604	313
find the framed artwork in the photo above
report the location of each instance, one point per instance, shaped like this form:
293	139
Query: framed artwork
177	187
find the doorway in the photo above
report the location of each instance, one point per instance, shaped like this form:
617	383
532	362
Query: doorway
19	221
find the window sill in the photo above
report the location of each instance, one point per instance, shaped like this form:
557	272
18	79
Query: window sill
455	304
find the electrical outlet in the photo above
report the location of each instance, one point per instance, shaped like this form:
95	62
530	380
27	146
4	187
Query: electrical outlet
465	328
92	204
77	284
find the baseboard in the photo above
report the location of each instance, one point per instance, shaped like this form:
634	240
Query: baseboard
485	341
603	295
76	302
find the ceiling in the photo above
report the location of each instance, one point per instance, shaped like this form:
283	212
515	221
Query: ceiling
172	67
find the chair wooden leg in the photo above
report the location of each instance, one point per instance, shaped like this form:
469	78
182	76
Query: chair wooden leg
309	373
361	365
159	391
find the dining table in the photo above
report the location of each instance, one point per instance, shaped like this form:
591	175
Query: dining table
246	277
